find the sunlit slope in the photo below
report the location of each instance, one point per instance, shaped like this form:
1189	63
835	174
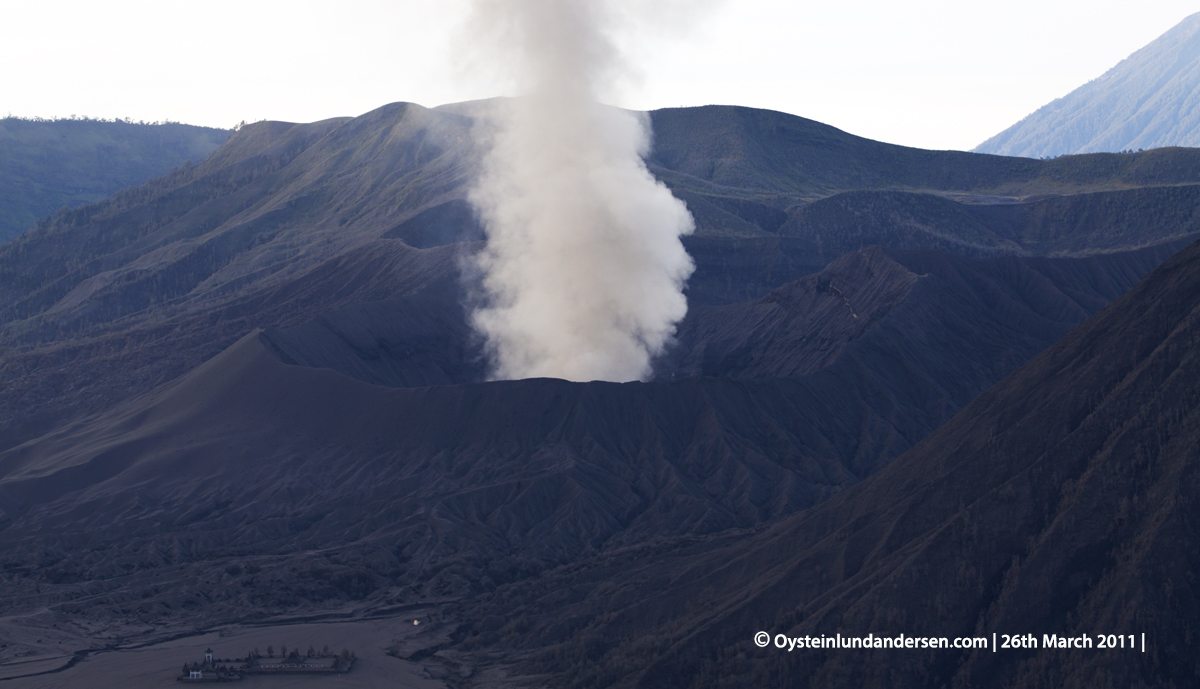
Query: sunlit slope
1148	100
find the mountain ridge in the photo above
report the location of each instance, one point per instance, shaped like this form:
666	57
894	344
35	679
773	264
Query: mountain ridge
48	165
1146	101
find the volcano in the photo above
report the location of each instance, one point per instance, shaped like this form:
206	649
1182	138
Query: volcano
247	396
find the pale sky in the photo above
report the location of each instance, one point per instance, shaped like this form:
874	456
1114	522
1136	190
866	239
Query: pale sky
927	73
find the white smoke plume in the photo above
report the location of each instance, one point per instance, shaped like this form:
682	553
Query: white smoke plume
583	270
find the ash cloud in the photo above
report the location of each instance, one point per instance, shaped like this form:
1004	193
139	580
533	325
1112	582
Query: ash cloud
583	270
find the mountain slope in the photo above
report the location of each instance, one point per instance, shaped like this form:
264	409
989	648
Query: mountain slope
743	154
1076	224
1062	501
1149	100
884	304
48	165
895	342
287	222
248	389
427	491
455	489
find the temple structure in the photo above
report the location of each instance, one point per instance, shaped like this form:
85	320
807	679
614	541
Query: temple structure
211	670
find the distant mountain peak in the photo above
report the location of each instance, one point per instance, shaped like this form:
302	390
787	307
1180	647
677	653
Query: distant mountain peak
1151	99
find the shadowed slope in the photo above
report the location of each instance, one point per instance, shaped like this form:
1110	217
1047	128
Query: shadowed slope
62	378
413	341
456	489
1076	225
48	165
176	468
921	306
445	489
896	342
730	151
277	227
1061	501
118	297
905	339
